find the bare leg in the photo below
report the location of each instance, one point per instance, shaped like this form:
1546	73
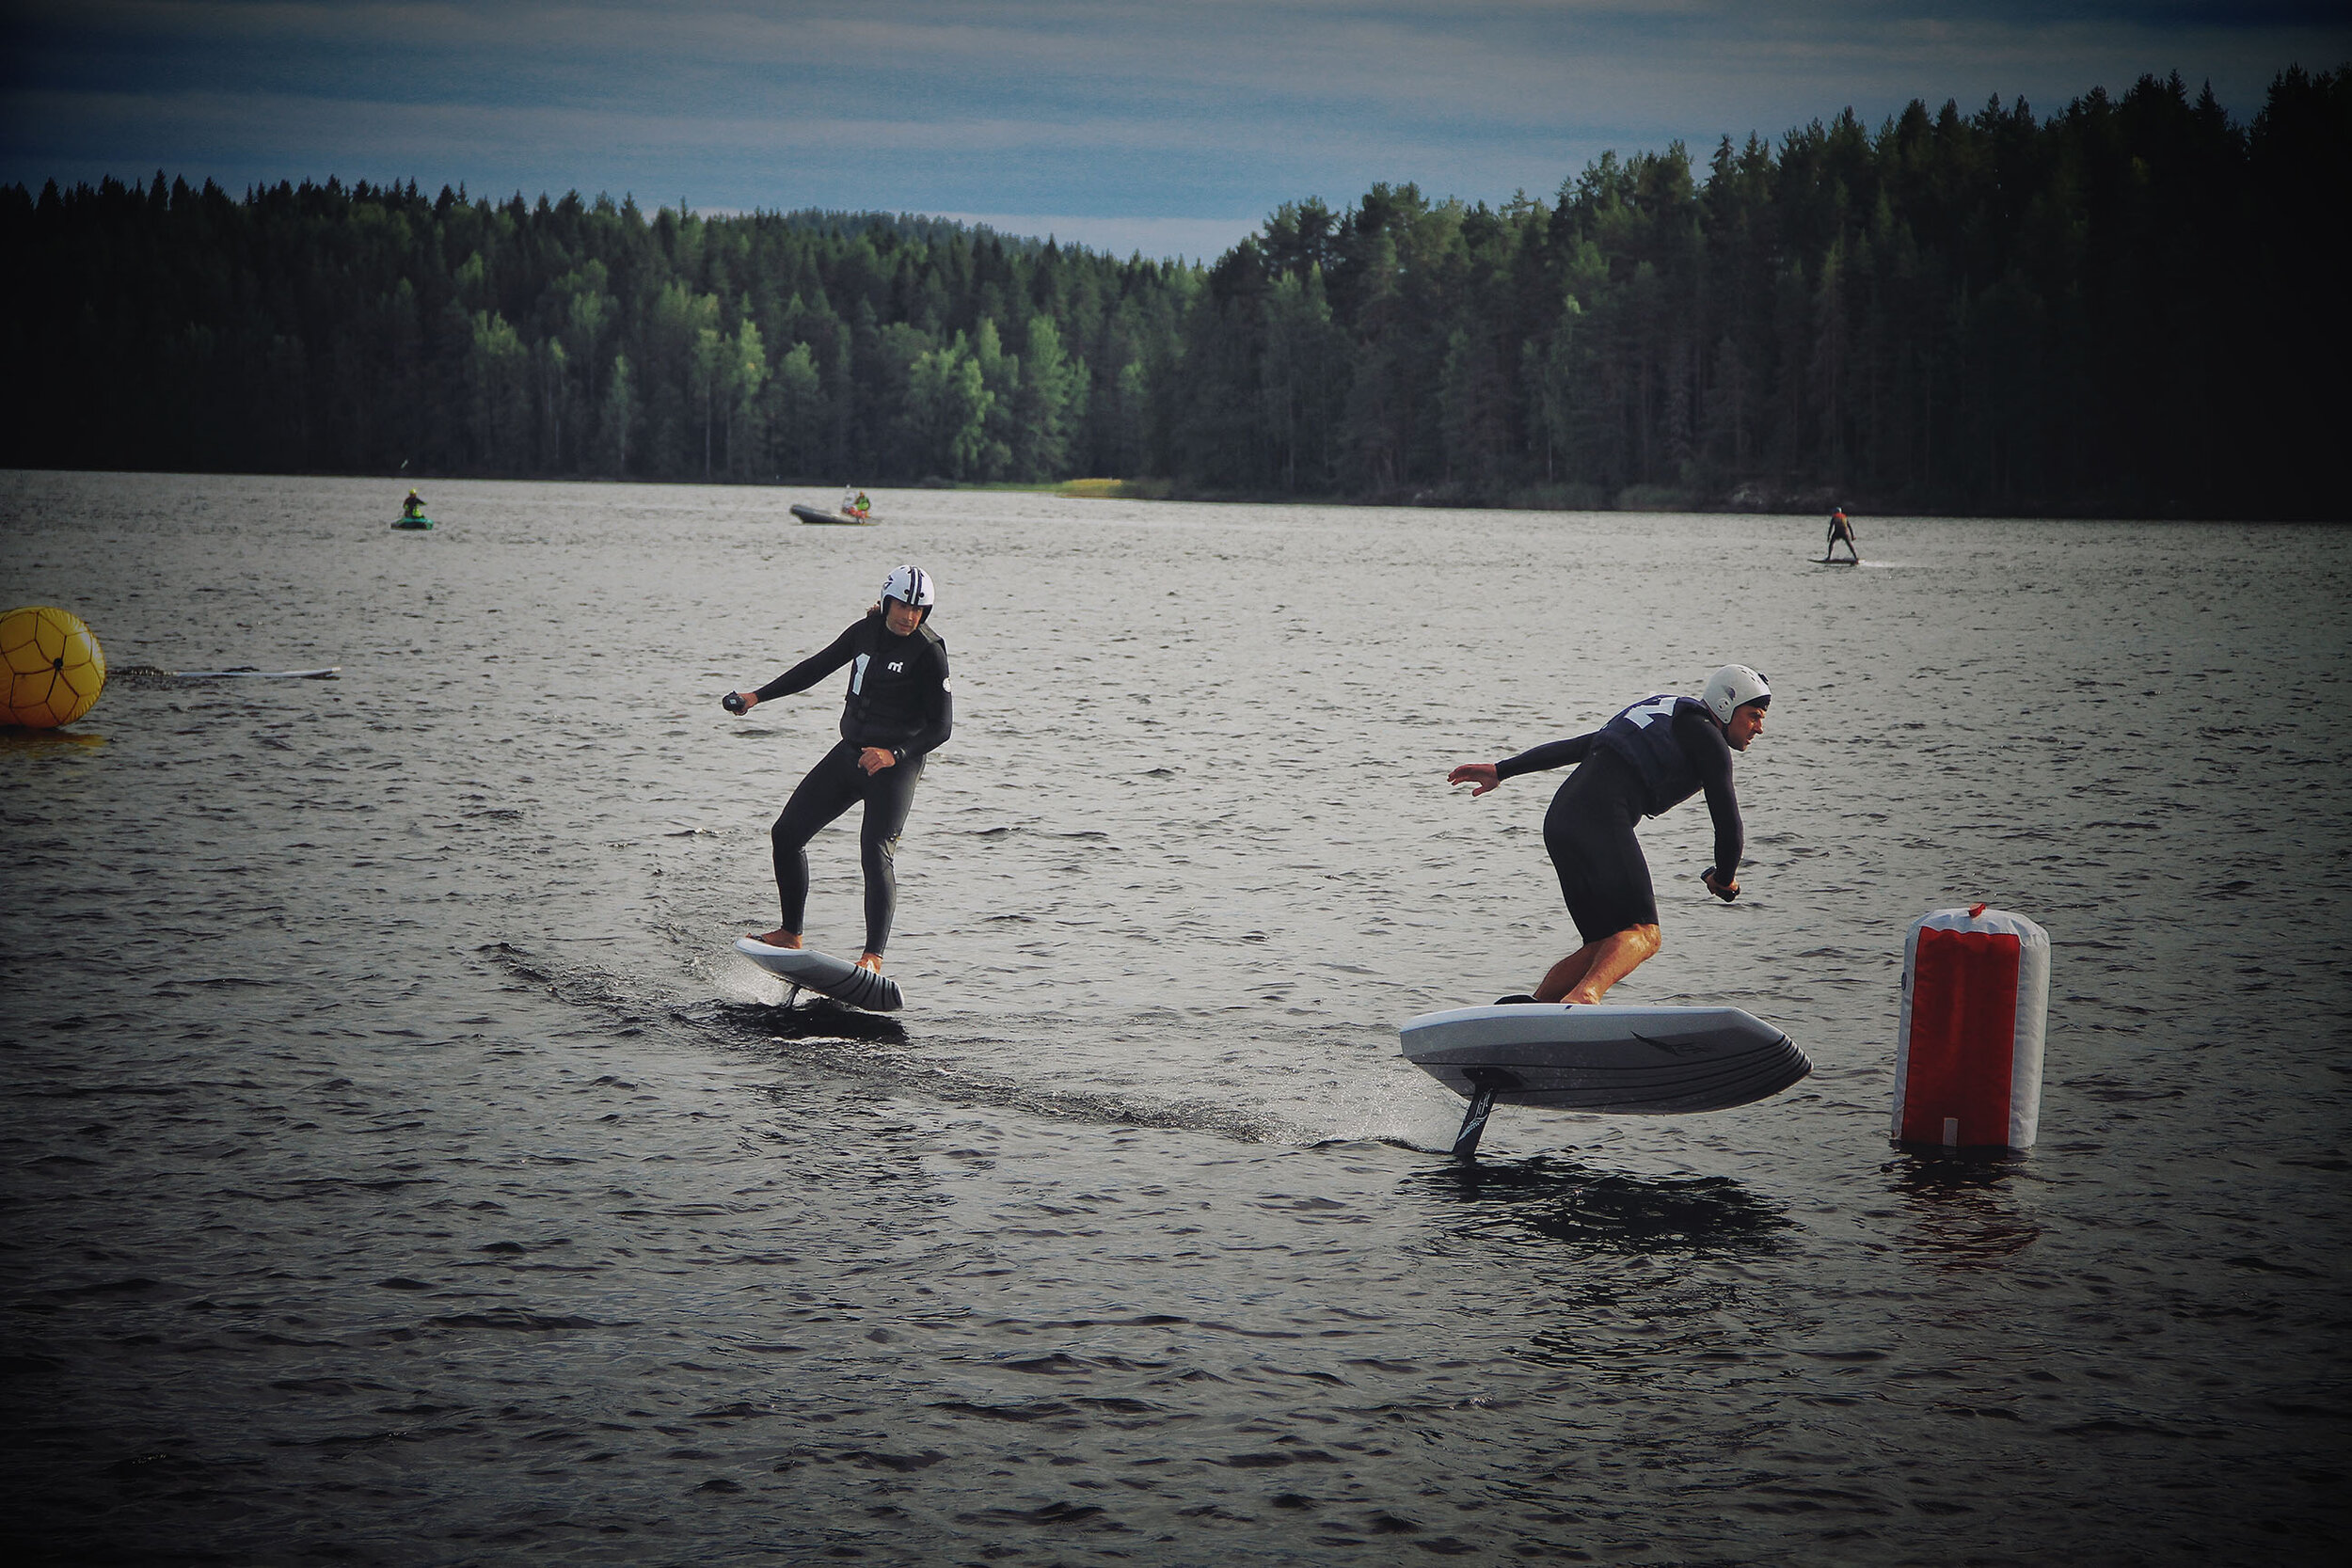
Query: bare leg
1587	974
1562	978
780	938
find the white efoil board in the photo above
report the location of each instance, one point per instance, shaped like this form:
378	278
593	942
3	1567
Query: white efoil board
1656	1061
825	974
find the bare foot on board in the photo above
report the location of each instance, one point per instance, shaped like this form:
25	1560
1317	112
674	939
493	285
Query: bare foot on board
780	939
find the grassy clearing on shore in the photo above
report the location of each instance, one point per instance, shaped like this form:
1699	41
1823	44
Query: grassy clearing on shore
1116	489
1082	489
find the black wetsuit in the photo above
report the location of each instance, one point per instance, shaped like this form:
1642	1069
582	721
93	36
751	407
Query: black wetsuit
1646	761
897	700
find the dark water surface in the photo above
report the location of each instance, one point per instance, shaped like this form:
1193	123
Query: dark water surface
399	1168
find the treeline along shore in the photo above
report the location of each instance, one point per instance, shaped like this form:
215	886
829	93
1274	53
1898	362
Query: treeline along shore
2136	305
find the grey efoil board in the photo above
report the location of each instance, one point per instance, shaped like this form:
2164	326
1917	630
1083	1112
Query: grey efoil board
1655	1061
825	974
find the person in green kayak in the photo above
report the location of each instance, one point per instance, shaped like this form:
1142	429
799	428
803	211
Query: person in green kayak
413	506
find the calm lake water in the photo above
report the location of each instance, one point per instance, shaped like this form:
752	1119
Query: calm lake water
401	1168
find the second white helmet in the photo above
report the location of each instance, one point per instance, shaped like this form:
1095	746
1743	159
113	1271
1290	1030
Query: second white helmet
910	585
1733	688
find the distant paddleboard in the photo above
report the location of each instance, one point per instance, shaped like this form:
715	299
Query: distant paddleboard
1640	1061
1825	560
825	974
328	673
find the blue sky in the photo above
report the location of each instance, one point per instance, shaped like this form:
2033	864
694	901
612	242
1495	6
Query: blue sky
1172	127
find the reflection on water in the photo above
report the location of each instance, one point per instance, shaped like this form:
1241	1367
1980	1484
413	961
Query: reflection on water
815	1019
1570	1201
401	1165
1957	1204
16	739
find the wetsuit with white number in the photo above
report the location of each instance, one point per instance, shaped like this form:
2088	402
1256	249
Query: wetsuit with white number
897	700
1644	762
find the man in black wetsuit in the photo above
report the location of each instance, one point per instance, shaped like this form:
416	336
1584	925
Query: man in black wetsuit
1646	761
898	710
1840	529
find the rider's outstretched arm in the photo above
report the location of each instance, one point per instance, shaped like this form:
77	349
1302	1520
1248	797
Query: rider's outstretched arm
816	667
1550	754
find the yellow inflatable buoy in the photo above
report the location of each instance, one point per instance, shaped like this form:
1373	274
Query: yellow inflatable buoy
54	666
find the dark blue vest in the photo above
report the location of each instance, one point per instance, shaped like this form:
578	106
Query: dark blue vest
1644	734
892	682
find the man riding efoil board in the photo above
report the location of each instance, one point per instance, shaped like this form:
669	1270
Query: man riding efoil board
896	711
1646	761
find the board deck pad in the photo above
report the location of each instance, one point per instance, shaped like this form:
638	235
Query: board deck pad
825	974
1652	1061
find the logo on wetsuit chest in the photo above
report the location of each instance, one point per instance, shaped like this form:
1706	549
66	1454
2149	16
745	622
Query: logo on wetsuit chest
1647	714
1645	736
857	672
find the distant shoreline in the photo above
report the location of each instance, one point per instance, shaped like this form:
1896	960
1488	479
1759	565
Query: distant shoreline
1745	500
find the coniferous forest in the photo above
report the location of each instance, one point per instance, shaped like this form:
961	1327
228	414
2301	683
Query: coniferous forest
2136	305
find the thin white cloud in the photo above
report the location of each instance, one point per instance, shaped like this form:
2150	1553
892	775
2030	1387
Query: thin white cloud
1182	110
394	125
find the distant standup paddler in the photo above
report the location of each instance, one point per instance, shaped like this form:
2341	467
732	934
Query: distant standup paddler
898	712
1840	529
1644	762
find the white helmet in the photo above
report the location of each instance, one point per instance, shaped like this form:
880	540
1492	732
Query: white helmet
910	585
1733	688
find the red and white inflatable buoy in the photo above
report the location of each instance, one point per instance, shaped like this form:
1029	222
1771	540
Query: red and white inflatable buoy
1976	1002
